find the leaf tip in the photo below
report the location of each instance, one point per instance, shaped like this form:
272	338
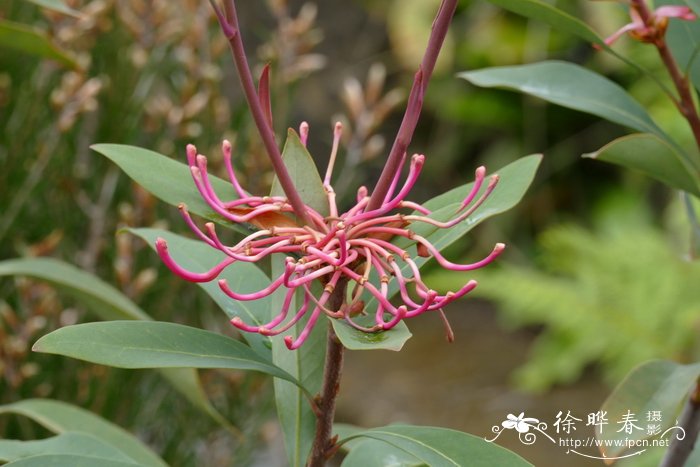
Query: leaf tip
97	147
38	347
291	132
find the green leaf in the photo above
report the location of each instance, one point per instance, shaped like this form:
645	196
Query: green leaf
33	42
60	417
167	179
304	174
373	453
243	277
439	447
196	255
694	5
552	16
186	381
354	339
103	299
570	86
107	303
58	6
514	180
651	156
152	344
65	443
658	385
306	365
69	460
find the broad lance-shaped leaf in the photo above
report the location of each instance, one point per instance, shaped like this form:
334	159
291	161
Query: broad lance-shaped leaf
66	443
59	417
374	453
443	447
653	157
656	386
306	365
552	16
571	86
58	6
69	460
353	339
368	452
153	344
168	179
515	179
243	277
33	42
107	303
304	174
694	5
103	299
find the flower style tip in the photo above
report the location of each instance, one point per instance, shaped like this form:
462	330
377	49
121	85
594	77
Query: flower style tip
304	133
350	247
654	28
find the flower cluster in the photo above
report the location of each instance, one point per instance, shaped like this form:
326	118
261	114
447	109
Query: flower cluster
335	250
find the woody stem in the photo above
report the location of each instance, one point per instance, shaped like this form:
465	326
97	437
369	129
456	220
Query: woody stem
685	104
680	449
324	446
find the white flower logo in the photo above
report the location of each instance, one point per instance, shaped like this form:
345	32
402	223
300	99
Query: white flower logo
520	423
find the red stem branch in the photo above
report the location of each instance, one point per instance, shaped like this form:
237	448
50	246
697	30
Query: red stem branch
680	449
229	25
684	102
415	102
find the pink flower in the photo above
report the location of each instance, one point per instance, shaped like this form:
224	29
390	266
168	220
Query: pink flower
655	27
339	248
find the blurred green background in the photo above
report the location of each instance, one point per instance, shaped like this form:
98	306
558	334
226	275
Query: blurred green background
592	283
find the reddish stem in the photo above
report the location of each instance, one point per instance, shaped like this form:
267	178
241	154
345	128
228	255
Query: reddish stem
415	102
680	449
324	445
684	102
229	24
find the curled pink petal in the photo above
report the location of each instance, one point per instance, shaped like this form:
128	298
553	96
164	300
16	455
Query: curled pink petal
162	249
624	29
675	11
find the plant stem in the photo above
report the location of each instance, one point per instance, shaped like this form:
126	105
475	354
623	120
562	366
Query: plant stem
229	24
686	105
684	102
415	102
323	445
680	449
